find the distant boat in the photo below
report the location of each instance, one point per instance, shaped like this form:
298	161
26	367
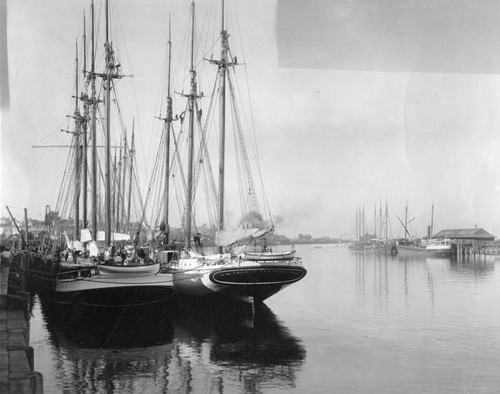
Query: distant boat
422	247
235	270
366	242
430	247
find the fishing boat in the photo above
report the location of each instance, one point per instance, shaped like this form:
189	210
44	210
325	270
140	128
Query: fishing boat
241	266
101	268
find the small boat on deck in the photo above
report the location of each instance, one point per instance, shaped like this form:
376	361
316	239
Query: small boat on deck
267	255
122	269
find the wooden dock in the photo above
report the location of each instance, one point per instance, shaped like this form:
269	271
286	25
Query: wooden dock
17	373
474	248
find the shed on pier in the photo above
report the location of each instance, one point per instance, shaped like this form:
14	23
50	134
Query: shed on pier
470	234
471	242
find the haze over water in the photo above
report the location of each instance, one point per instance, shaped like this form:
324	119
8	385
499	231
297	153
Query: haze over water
357	323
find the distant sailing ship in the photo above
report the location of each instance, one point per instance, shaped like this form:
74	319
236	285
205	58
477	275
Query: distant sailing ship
379	241
244	267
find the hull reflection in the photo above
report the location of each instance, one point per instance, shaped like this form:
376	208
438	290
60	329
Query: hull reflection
235	345
191	345
95	327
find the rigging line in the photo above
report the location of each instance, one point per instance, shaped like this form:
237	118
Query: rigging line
203	157
255	144
255	149
56	129
118	106
209	198
177	155
68	196
238	29
241	185
153	179
243	148
152	195
129	62
161	184
136	183
209	25
180	198
63	189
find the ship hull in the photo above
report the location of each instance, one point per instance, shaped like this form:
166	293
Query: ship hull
114	290
245	281
423	251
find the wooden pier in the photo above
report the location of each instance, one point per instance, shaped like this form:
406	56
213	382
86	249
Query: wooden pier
17	373
474	248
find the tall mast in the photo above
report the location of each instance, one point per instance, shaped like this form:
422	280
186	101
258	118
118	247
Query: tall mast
119	201
132	151
360	223
84	98
432	221
386	220
168	125
109	68
356	231
363	222
191	107
380	220
93	131
222	119
124	177
406	220
118	189
114	190
77	118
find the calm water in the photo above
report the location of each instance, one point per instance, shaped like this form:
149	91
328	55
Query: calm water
355	324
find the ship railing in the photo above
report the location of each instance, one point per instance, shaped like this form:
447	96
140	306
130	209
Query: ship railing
78	273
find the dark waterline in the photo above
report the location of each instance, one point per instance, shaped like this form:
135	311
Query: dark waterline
361	323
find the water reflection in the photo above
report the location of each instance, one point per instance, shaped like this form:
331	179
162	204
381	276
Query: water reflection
476	267
386	277
383	279
186	347
372	272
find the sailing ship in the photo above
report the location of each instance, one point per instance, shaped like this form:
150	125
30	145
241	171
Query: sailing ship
242	266
102	268
379	240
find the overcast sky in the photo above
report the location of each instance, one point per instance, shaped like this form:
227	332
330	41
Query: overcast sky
355	102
